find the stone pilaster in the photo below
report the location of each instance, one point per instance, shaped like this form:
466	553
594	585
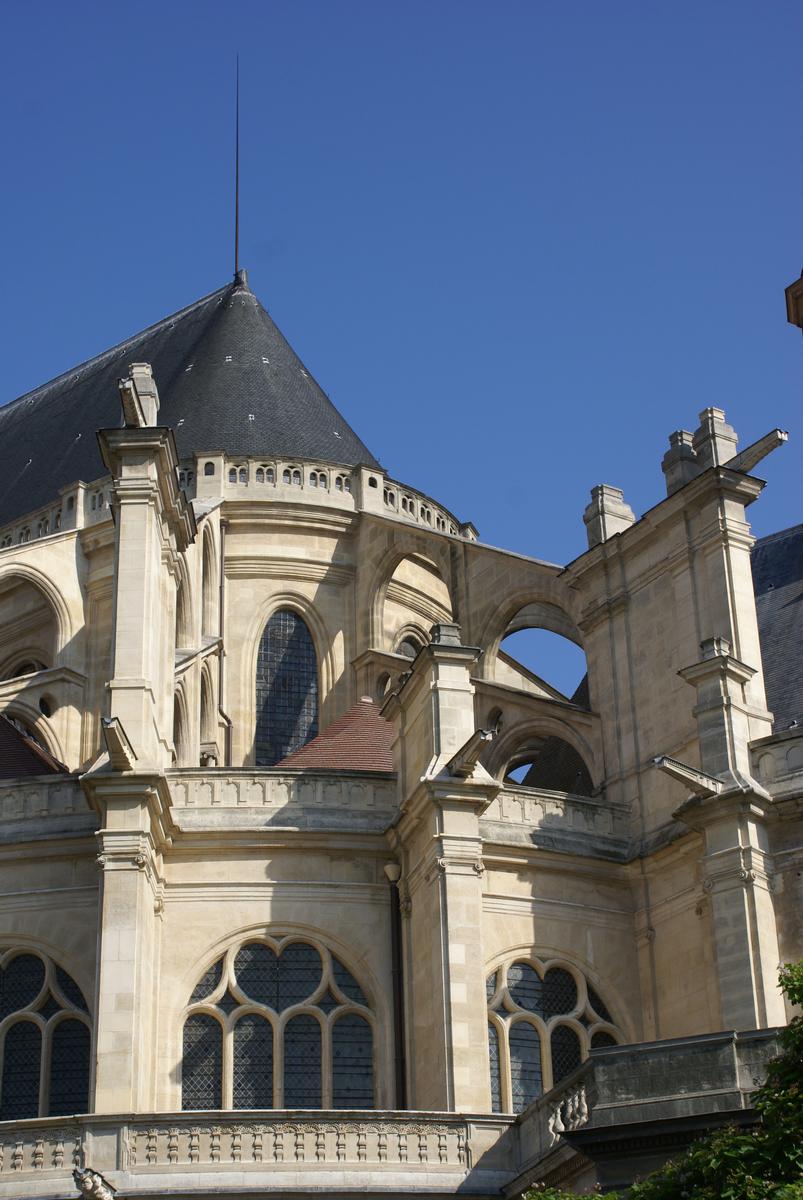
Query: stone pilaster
439	843
736	865
133	810
153	525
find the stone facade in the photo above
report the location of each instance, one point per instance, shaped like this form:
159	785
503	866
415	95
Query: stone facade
665	895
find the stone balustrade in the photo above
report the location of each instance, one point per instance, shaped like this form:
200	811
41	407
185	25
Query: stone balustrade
259	1151
296	799
778	761
556	820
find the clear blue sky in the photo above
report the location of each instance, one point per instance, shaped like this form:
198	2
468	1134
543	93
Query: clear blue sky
517	243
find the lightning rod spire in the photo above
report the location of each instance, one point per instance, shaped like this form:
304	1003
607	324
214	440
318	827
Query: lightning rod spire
237	172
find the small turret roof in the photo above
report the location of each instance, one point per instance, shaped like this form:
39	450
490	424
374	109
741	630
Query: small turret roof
227	378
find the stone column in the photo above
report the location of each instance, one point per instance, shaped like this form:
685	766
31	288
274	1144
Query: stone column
439	842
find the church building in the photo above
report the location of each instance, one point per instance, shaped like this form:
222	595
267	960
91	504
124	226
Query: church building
309	887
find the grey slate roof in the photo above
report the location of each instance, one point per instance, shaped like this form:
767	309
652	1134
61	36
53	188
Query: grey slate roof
777	563
216	363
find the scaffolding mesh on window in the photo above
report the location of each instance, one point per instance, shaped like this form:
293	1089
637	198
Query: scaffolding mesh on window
560	992
69	1069
253	1063
526	987
286	689
282	981
496	1068
22	1060
302	1063
20	983
201	1073
352	1063
566	1052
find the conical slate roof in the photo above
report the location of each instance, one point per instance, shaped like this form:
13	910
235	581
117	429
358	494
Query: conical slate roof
227	380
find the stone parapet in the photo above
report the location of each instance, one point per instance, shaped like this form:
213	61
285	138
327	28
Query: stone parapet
47	804
558	821
253	1153
297	799
628	1108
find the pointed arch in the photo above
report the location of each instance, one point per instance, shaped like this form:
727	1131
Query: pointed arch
406	543
181	728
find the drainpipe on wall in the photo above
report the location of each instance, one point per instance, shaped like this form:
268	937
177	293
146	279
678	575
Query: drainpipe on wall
393	872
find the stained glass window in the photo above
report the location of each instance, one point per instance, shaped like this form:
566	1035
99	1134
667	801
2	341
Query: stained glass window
560	992
31	982
566	1052
22	1061
70	990
20	983
253	1063
347	983
286	689
525	987
598	1006
496	1068
208	982
201	1067
542	1047
352	1063
276	979
525	1064
601	1039
302	1063
69	1068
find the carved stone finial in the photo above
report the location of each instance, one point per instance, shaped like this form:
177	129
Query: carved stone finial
607	514
92	1185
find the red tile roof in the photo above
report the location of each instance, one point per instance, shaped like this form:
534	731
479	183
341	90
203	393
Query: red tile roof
359	741
21	755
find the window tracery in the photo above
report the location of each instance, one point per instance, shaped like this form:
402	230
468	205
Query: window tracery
44	1038
543	1019
278	1024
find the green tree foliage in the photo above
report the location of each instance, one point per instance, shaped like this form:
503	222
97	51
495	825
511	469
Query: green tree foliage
765	1163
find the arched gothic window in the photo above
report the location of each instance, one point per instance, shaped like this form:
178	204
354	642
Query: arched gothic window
285	1023
543	1019
286	689
44	1039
